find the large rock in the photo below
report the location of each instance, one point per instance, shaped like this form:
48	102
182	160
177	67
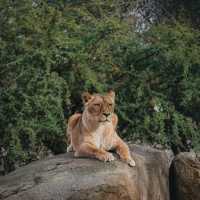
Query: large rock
185	177
66	178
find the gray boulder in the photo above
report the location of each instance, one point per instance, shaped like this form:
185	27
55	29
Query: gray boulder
185	177
63	177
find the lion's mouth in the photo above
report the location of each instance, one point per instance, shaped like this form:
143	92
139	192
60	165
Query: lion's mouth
106	120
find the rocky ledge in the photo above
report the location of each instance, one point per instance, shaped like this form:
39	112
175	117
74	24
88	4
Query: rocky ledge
66	178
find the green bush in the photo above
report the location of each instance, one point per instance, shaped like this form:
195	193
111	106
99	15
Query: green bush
32	94
159	97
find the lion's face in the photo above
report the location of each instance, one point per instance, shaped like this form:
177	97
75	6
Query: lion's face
99	107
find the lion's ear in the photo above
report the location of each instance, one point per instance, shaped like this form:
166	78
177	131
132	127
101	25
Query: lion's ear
86	96
111	93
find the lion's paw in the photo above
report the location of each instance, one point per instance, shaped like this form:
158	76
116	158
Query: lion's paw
110	157
131	163
70	148
107	157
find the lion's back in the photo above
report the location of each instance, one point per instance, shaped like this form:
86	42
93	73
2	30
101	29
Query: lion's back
74	120
71	125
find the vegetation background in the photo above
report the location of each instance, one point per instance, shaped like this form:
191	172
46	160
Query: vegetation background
53	50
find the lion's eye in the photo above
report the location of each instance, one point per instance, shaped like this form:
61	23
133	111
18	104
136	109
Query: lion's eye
97	104
110	104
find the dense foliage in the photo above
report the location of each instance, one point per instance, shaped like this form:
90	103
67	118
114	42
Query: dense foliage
52	51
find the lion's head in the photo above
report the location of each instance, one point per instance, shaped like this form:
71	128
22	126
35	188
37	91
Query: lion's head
99	107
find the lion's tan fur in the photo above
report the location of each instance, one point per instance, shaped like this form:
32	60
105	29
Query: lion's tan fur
93	132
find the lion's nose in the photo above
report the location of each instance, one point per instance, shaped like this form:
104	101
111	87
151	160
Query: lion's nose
106	114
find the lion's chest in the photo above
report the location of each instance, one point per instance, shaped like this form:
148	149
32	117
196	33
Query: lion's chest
102	136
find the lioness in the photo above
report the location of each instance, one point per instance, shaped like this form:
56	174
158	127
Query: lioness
93	133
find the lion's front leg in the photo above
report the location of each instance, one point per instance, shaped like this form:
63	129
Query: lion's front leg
90	150
123	151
